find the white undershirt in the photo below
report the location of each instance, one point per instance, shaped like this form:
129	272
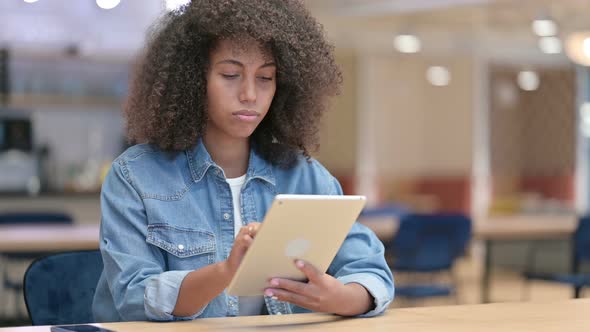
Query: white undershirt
235	185
248	305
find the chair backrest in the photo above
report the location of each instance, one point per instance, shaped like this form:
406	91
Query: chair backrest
45	217
582	241
395	210
430	242
59	288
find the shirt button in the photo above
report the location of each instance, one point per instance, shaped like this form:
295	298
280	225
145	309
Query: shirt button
226	216
217	172
180	247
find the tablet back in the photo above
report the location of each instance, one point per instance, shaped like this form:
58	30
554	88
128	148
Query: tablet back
308	227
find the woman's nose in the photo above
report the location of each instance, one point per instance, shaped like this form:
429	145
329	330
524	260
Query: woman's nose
248	92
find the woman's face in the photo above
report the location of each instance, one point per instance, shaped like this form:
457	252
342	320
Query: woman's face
241	83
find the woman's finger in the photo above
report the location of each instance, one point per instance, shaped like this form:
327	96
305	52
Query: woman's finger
294	298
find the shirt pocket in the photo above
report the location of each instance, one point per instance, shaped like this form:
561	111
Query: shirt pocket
186	248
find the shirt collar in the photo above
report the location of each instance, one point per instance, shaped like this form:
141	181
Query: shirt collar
200	161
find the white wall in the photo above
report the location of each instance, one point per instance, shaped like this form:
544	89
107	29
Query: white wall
418	129
405	128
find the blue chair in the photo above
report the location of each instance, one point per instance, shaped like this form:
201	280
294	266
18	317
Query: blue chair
59	288
386	210
428	244
35	218
390	210
580	255
26	218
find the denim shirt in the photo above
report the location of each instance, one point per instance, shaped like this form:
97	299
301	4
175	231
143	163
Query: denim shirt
165	215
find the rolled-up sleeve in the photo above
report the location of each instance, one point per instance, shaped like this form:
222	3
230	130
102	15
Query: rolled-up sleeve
375	286
361	259
161	293
134	270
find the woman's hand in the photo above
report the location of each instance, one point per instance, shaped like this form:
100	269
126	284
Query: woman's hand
241	244
322	293
201	286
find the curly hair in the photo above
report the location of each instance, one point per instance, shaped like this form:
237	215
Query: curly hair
167	103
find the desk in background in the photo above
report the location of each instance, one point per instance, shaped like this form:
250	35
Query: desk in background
39	239
491	230
495	229
521	227
571	316
48	238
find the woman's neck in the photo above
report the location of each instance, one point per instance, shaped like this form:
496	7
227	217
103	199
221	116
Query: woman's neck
230	154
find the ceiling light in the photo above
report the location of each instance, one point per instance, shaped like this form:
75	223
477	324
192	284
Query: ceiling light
407	43
585	112
108	4
577	46
585	115
505	93
544	27
175	4
438	76
550	45
586	47
528	80
31	1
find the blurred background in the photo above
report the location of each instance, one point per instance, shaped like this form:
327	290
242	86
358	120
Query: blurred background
472	107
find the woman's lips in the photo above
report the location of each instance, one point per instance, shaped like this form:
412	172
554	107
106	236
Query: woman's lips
247	116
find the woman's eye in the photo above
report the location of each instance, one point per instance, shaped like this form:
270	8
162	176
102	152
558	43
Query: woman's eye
229	76
265	78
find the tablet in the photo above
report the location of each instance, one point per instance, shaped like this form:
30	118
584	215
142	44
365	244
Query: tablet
308	227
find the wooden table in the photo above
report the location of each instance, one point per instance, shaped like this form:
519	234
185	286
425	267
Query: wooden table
40	239
522	227
571	316
37	238
527	227
47	238
513	227
492	230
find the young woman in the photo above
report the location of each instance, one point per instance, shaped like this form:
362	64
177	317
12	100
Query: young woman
226	105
